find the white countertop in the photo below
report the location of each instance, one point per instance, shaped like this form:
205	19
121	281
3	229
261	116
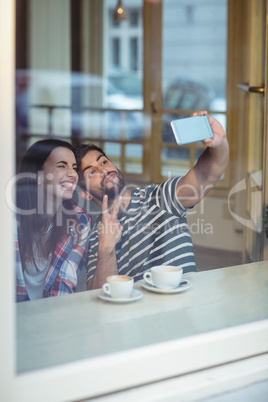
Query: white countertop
69	328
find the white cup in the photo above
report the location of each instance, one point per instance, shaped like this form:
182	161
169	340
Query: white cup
118	286
164	276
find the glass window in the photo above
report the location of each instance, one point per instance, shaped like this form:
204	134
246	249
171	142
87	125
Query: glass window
175	161
133	54
194	48
133	16
116	52
134	158
167	133
113	151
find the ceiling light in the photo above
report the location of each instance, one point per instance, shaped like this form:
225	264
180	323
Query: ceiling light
119	12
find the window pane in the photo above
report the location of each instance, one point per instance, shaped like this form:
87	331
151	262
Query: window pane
194	54
116	52
167	133
134	126
128	83
115	125
53	100
133	54
113	152
95	124
134	158
38	121
124	126
133	17
125	60
175	161
61	122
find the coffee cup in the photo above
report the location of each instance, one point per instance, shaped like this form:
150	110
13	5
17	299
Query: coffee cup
164	276
118	286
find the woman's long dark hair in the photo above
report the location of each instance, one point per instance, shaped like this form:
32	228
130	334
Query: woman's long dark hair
33	222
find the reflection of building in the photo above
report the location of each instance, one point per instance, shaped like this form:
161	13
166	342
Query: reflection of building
125	38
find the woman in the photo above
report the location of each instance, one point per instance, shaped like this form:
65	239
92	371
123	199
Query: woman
52	234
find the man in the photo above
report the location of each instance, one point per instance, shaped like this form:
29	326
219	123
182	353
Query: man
155	230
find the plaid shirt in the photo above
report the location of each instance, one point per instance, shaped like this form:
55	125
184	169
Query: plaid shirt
65	266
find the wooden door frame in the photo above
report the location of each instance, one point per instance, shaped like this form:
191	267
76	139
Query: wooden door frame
245	42
265	139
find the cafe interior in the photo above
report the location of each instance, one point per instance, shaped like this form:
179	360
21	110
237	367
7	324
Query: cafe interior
116	73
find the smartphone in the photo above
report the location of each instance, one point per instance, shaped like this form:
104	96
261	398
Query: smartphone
191	129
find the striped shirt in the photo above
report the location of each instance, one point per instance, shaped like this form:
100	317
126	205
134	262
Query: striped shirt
155	232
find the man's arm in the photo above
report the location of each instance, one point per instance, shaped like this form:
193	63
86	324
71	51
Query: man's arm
192	187
109	234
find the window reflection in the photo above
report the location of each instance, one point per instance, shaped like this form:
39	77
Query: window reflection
185	94
79	105
167	133
194	45
175	161
193	66
133	158
114	152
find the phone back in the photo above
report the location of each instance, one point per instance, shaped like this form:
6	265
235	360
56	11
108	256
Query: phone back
191	129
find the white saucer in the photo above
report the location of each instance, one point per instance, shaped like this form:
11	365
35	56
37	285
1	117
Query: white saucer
136	295
181	288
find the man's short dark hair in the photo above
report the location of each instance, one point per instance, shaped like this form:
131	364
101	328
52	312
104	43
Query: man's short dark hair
83	149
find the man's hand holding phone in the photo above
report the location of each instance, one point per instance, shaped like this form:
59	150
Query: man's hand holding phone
217	130
199	127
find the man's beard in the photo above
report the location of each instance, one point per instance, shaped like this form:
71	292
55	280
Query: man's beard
118	187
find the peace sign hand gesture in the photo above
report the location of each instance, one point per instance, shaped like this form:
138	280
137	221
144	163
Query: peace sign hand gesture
110	230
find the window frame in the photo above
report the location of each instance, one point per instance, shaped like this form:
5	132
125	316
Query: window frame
120	370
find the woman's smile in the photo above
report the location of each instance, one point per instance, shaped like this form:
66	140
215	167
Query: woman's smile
60	176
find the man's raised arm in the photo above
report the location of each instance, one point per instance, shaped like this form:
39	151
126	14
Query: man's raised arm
209	168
